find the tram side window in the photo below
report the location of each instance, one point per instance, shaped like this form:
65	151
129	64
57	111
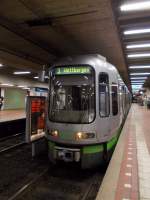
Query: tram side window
104	95
114	100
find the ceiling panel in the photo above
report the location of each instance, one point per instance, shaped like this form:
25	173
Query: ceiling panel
41	31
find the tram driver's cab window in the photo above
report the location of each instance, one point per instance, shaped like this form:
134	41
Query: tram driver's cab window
72	94
104	95
114	95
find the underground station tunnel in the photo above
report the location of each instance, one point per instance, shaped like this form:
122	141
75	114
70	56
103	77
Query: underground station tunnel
75	100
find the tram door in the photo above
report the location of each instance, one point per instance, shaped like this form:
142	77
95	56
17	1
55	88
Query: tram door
114	108
36	123
104	103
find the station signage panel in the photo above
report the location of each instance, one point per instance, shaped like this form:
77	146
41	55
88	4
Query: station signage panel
36	116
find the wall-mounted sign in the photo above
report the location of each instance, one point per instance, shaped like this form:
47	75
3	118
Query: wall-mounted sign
35	121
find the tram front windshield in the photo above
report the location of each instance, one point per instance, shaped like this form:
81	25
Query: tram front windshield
72	95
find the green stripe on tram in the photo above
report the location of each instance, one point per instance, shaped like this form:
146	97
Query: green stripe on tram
114	140
95	148
92	149
112	143
51	145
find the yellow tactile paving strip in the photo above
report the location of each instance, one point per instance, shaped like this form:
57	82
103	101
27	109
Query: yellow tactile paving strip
9	115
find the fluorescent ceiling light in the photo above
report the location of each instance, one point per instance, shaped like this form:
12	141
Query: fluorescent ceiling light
136	84
143	5
143	78
7	84
140	67
134	46
46	77
26	88
138	81
25	72
144	73
21	86
138	55
137	31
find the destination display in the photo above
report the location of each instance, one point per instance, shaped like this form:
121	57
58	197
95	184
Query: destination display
36	118
72	70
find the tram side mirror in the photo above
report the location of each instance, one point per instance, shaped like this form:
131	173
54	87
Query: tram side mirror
35	118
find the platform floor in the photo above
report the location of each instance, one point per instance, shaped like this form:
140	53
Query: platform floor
9	115
128	174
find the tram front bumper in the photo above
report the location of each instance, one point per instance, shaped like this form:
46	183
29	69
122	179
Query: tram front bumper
87	155
66	154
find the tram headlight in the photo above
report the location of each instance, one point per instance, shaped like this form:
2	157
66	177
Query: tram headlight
83	135
54	133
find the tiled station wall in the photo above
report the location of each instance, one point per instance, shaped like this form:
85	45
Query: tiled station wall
14	98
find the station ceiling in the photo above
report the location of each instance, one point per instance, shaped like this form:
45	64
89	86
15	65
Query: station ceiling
36	32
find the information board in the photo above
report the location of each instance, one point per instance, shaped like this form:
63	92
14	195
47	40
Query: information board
36	115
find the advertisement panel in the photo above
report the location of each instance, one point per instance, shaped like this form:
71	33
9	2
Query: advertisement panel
35	121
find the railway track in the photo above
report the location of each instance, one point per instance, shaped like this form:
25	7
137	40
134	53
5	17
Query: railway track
11	136
25	187
12	142
62	182
12	147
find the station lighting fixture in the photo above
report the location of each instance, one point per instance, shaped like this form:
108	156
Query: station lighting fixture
21	86
26	88
138	81
25	72
37	77
144	73
137	6
137	31
7	84
136	84
134	46
136	88
138	55
1	65
141	82
139	67
132	84
142	78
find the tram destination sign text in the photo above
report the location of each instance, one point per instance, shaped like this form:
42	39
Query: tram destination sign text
72	70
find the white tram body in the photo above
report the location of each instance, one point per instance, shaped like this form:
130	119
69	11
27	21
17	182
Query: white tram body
88	103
